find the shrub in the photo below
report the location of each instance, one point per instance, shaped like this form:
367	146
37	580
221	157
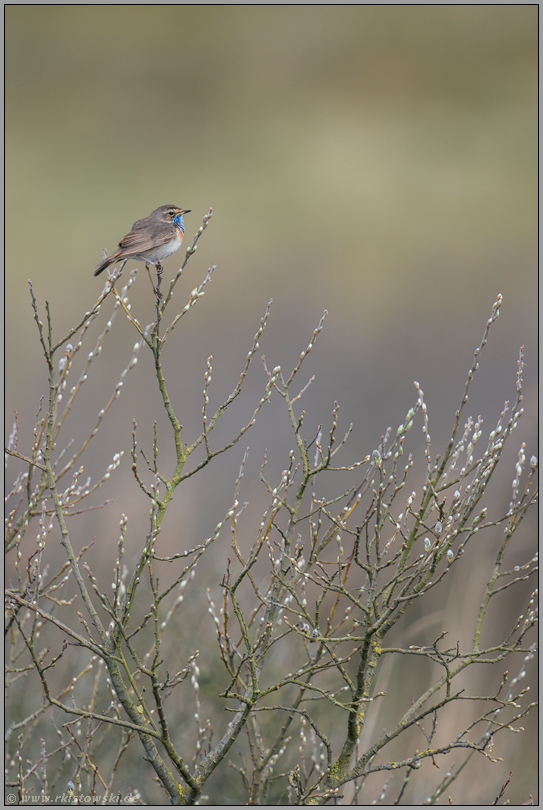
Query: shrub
307	616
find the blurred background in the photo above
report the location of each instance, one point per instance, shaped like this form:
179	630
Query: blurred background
375	161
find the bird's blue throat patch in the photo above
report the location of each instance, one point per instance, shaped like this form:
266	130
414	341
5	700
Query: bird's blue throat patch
180	222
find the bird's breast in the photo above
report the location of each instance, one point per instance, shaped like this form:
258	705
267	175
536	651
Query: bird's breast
165	250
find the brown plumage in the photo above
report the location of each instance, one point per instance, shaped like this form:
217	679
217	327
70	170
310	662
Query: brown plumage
151	239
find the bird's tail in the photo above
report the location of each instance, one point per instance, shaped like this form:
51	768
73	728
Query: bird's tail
105	264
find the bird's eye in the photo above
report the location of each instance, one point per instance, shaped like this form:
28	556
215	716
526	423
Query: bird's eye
171	213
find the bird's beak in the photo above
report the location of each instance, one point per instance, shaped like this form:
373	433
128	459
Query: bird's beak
186	212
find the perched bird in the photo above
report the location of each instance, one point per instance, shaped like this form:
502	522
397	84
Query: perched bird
151	239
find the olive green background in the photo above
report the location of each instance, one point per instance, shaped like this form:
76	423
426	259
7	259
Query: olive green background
376	161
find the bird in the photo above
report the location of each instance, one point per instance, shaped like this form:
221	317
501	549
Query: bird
151	239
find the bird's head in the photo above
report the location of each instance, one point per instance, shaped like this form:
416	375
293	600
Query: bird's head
172	214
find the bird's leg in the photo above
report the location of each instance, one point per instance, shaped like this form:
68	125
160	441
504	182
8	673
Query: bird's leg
150	279
159	271
156	289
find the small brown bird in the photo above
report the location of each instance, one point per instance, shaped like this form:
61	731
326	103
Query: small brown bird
151	239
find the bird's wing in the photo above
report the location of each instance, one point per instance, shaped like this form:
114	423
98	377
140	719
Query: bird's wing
142	239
